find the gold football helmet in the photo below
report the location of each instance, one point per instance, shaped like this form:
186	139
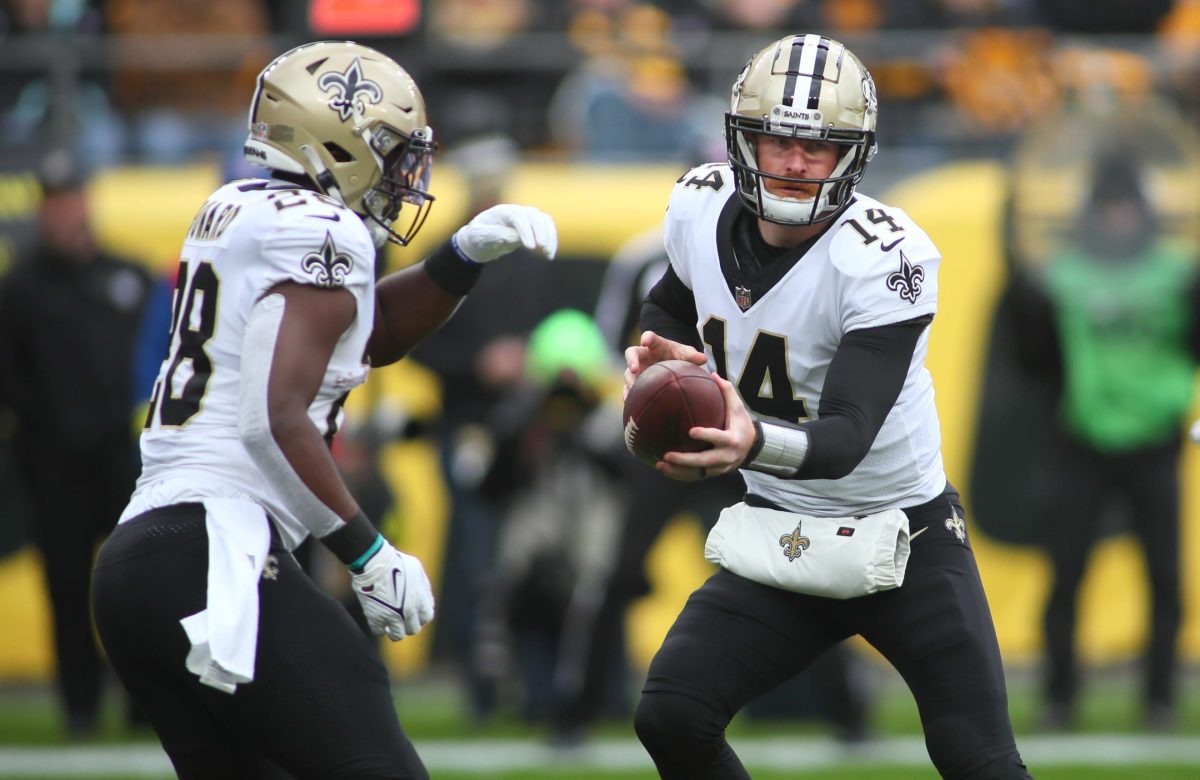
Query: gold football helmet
353	121
802	86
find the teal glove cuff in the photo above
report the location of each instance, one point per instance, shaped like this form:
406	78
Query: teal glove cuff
350	540
357	565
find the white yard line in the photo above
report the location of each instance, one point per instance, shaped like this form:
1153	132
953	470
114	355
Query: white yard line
799	755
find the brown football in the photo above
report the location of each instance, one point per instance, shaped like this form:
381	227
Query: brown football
666	401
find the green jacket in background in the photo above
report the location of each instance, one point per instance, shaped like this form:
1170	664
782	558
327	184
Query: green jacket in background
1124	327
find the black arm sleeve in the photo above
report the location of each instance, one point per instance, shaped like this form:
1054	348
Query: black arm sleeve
670	311
865	378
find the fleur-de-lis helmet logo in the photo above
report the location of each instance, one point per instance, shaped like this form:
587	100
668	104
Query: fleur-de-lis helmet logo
906	281
351	90
328	266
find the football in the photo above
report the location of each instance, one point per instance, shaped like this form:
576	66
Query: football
664	403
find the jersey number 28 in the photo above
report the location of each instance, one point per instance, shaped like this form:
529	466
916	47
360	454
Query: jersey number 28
194	320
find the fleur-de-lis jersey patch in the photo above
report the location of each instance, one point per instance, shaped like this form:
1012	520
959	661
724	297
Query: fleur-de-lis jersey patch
907	281
328	266
351	91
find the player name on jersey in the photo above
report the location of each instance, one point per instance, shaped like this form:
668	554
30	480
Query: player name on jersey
212	220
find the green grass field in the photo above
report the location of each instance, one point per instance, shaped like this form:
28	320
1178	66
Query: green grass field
1106	746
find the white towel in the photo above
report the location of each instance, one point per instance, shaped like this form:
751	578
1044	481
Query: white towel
224	635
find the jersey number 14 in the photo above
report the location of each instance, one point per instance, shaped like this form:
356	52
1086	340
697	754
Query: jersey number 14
766	367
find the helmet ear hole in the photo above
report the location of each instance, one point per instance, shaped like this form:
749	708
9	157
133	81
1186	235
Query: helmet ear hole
338	153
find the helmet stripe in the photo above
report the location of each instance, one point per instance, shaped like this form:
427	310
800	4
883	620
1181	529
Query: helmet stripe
818	79
793	69
805	68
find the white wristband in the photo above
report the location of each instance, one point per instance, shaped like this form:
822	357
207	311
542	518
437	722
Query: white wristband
782	450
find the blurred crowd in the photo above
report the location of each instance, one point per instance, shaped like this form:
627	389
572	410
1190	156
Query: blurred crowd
545	548
159	82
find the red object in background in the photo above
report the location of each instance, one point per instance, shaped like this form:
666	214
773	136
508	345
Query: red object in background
364	17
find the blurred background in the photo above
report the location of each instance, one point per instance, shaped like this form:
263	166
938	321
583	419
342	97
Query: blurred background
1049	147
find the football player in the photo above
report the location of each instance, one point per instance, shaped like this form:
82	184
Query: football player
245	667
812	304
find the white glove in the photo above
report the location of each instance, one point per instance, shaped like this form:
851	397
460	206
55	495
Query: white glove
501	229
1196	432
395	593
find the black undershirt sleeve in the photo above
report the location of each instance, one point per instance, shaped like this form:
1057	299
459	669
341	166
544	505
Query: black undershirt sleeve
864	380
670	311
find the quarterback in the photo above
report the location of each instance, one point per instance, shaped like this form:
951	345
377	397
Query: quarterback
812	304
243	666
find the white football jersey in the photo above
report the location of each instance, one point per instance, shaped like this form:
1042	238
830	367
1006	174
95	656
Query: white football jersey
873	266
248	237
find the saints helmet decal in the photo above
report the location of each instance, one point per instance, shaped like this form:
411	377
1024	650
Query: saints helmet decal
353	121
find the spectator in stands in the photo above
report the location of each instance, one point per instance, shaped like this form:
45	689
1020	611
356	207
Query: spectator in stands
631	98
1123	17
55	97
183	71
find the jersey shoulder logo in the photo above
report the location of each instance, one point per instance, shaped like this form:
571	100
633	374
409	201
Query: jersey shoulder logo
328	266
907	281
351	90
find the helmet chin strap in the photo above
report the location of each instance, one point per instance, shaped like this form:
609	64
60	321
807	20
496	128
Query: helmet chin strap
379	234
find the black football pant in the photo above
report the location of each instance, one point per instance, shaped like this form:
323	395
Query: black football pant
320	705
736	639
1148	481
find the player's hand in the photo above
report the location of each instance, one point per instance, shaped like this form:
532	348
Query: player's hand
1195	434
395	594
502	229
730	445
655	349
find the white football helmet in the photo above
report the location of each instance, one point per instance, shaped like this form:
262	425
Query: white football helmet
802	86
353	121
